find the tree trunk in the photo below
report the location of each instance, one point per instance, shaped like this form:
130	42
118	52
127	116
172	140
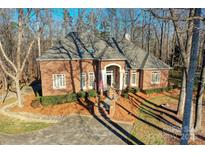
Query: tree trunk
143	18
49	22
190	80
5	84
192	131
148	35
182	96
167	50
200	93
65	17
18	93
161	41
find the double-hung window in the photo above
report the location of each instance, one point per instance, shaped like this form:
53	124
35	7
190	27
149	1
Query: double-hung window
126	79
134	78
83	80
155	77
91	78
59	81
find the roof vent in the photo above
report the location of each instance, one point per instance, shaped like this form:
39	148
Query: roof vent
127	37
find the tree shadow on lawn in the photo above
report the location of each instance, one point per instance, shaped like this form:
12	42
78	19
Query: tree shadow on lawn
158	106
149	123
201	137
154	115
154	109
89	105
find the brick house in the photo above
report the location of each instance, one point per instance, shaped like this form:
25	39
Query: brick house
78	63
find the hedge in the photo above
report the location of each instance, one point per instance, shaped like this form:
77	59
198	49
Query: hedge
53	100
130	90
159	90
133	90
90	93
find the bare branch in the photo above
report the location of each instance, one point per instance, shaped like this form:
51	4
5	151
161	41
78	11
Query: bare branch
5	71
6	57
175	18
25	59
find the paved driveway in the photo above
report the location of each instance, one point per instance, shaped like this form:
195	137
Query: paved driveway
77	130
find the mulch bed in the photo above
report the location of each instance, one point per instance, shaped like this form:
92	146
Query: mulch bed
124	110
54	110
66	109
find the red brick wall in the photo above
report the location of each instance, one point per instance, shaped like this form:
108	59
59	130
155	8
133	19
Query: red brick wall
48	68
146	78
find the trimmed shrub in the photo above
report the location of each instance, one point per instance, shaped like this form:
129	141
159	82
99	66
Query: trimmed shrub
133	90
92	93
159	90
81	94
124	93
53	100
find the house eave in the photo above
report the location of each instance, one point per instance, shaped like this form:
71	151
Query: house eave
156	68
62	59
110	59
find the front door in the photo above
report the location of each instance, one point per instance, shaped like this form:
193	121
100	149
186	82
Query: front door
109	78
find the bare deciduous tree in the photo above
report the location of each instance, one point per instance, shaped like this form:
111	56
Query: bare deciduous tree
15	70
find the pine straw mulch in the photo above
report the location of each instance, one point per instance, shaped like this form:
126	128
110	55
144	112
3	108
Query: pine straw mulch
124	110
79	107
52	110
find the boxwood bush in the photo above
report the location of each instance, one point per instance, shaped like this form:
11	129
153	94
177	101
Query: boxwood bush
92	93
159	90
53	100
81	94
125	93
133	90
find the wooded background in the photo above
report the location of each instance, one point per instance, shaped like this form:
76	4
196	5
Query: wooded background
176	36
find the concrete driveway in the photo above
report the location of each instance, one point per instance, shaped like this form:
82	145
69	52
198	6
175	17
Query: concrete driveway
77	130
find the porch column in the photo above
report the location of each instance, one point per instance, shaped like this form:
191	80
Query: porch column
103	82
121	78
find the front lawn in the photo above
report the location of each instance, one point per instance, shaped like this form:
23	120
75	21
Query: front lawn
152	120
14	126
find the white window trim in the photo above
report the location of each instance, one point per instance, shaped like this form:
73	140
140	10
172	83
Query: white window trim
156	72
84	88
62	87
91	87
134	84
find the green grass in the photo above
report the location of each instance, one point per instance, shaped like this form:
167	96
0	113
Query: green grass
14	126
148	133
164	99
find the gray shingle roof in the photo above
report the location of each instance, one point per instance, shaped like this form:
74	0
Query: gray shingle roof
139	58
74	47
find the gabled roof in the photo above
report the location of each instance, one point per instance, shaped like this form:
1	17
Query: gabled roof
75	47
139	58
